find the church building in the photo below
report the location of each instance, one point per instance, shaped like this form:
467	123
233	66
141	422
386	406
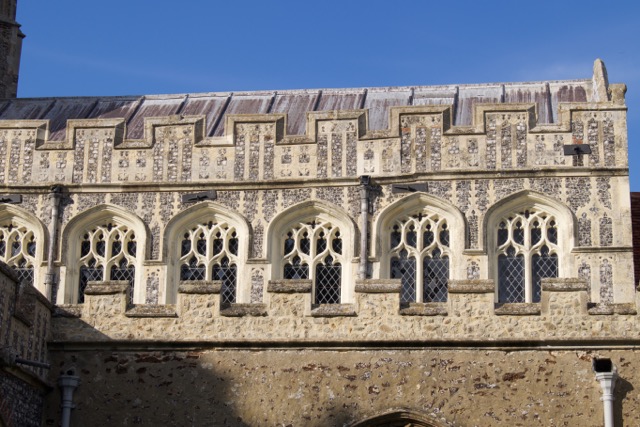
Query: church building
456	255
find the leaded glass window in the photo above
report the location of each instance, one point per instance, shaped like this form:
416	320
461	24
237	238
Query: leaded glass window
18	250
107	252
527	252
209	251
314	250
419	257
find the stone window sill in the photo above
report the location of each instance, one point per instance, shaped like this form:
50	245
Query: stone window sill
242	310
608	309
333	310
68	310
517	309
424	309
291	286
154	311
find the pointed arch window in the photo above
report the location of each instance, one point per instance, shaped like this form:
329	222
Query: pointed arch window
313	250
18	250
209	251
527	252
419	256
107	252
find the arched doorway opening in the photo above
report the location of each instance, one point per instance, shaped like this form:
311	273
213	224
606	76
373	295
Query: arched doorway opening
399	419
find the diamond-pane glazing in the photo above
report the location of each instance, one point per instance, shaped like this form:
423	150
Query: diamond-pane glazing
295	270
316	253
88	274
436	279
519	277
125	272
511	277
405	269
544	265
328	282
25	274
420	258
112	246
228	275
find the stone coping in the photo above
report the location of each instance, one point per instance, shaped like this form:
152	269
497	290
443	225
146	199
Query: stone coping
604	309
107	287
379	286
148	310
200	287
518	309
472	286
68	310
242	310
564	285
291	286
425	309
333	310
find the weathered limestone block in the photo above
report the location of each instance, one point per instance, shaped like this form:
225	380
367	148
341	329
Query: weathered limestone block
199	300
334	310
471	298
564	297
378	298
105	299
289	298
241	310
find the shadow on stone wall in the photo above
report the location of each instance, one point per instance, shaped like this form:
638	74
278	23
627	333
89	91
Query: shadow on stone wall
146	388
623	387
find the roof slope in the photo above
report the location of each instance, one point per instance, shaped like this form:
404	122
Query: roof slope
295	103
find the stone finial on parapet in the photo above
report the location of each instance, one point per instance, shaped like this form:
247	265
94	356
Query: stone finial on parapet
600	82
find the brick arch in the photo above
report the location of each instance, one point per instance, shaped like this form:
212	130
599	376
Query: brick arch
401	418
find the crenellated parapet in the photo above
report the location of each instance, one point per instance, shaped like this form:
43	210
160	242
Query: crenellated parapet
196	140
287	316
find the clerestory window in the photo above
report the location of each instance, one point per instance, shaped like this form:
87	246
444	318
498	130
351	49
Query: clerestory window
209	251
313	250
107	252
419	256
18	250
527	252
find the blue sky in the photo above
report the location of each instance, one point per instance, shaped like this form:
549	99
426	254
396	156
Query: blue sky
133	47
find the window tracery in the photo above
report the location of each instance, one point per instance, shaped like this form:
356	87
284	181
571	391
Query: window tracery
18	250
314	251
527	251
419	256
209	251
107	252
